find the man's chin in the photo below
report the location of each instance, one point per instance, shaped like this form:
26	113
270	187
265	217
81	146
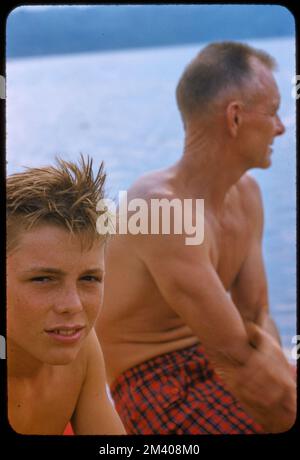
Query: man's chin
267	162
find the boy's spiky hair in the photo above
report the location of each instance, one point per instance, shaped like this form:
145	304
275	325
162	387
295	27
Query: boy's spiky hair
65	195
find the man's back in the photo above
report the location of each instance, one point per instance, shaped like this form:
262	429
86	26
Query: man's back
136	322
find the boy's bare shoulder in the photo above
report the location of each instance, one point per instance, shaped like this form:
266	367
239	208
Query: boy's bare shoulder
89	347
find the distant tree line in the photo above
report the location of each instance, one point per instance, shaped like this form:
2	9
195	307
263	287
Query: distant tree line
59	30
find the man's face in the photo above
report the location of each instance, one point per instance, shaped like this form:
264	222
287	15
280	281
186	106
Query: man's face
54	294
262	121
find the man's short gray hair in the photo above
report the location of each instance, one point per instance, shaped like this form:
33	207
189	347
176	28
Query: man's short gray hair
217	68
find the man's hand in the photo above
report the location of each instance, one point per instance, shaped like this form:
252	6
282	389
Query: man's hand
266	368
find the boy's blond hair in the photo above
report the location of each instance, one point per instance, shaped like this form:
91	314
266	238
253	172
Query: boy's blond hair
65	195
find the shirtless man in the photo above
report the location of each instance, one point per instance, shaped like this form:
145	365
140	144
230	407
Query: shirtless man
55	269
171	309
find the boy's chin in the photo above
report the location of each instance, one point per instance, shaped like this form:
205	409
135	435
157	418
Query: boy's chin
63	360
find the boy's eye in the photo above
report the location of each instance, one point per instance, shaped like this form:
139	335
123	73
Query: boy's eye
41	279
92	278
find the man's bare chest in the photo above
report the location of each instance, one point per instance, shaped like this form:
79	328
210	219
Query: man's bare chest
229	240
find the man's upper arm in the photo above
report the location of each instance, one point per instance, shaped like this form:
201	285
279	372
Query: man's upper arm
94	413
250	290
190	285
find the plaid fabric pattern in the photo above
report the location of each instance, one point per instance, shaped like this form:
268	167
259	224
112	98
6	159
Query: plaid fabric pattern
178	393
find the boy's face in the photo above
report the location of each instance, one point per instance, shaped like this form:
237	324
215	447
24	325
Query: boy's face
54	294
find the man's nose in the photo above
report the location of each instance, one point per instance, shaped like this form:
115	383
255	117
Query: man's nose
280	128
68	301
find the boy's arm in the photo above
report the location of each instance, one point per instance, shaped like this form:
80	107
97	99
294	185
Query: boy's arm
94	413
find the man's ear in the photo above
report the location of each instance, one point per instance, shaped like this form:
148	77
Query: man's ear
234	117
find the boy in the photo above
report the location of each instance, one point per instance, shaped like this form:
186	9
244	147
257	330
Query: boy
55	272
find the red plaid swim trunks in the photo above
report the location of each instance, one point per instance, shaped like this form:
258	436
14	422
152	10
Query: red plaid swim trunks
178	393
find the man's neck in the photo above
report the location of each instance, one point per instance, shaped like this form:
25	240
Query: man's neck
208	170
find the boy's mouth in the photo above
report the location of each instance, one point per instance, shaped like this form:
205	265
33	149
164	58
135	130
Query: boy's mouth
66	333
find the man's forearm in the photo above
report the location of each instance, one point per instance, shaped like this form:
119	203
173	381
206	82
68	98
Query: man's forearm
266	322
263	384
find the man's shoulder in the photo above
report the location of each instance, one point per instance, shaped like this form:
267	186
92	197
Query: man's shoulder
248	183
250	192
150	186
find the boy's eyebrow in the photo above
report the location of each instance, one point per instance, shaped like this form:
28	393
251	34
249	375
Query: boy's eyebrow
95	271
45	270
57	271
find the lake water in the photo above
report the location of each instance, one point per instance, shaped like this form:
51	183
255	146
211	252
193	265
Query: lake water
120	107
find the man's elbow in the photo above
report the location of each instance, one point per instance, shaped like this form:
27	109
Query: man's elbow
273	406
283	408
289	421
279	419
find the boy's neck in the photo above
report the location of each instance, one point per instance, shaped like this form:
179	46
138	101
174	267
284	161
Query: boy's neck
21	364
